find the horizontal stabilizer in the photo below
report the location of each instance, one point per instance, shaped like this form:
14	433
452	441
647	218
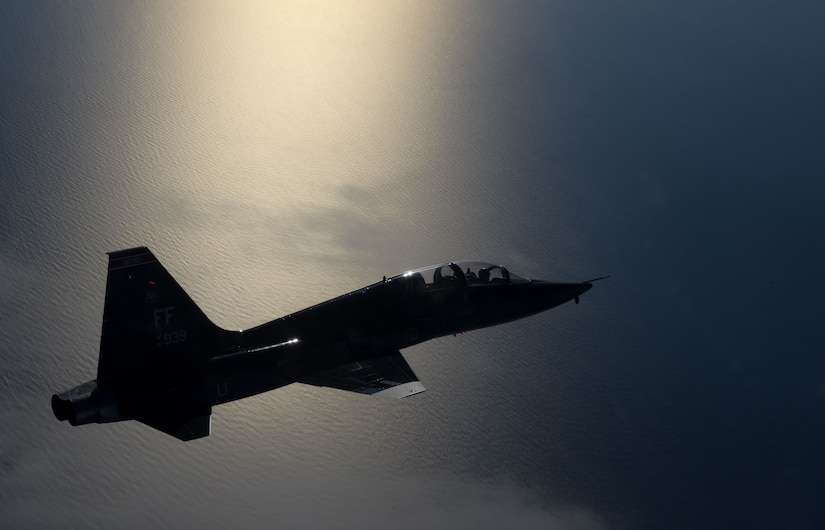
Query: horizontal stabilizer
387	376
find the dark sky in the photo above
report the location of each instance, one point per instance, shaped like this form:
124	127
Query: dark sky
274	156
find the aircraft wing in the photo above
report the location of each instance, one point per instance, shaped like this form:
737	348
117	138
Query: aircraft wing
184	422
387	376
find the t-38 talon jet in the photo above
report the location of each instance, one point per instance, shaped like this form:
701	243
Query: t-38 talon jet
164	363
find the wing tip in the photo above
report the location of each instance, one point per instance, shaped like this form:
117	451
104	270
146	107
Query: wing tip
403	390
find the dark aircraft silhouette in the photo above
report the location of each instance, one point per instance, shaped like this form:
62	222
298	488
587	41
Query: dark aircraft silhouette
162	362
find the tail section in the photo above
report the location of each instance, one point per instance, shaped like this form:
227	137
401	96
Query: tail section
148	318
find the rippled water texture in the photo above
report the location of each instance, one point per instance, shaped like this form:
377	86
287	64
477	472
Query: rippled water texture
276	154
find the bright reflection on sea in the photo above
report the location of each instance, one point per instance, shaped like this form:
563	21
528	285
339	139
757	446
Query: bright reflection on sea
286	154
277	155
297	125
274	156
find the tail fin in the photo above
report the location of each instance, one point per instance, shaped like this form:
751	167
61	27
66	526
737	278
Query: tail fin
148	318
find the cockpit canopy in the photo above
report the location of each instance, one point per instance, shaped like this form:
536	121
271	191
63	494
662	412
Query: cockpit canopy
464	273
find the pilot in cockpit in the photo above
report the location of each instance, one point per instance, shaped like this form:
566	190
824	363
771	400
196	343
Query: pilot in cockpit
484	275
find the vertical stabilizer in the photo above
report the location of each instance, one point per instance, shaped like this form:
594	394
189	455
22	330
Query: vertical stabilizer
148	318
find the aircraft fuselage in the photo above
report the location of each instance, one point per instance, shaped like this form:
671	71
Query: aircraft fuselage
165	364
386	316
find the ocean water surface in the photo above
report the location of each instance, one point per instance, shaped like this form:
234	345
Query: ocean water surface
274	155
